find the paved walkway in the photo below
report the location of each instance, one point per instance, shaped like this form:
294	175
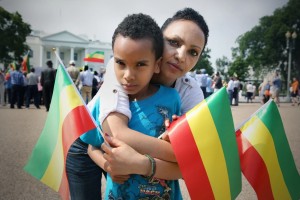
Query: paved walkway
20	130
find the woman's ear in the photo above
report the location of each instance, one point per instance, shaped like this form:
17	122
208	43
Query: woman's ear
158	65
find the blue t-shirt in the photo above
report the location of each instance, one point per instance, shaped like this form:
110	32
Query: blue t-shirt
148	116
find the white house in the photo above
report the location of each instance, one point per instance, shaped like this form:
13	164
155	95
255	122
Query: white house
68	46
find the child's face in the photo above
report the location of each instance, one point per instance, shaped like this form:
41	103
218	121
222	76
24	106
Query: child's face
134	65
184	42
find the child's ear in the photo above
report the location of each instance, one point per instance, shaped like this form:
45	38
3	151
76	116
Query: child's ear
158	65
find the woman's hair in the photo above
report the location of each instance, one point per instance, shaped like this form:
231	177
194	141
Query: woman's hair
141	26
190	15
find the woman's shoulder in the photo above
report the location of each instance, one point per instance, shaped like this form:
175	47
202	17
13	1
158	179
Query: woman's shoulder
186	80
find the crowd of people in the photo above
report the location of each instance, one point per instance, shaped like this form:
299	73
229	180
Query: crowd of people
269	88
21	89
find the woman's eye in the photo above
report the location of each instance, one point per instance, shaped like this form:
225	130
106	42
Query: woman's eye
173	43
194	53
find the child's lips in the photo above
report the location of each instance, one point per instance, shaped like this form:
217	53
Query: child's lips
129	86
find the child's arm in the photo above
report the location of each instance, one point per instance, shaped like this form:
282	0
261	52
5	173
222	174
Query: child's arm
116	124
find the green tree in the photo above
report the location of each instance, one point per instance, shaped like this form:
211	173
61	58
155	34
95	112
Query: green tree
239	68
13	32
222	65
204	63
263	47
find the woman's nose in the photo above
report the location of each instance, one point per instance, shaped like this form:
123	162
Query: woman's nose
181	54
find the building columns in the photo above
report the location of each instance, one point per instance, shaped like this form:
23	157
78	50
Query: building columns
41	56
72	54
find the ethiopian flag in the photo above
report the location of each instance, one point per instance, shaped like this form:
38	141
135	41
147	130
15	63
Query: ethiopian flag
205	147
67	119
266	158
97	56
26	64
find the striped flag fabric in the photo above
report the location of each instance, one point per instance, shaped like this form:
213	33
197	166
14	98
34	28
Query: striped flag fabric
26	64
265	155
205	147
67	119
97	56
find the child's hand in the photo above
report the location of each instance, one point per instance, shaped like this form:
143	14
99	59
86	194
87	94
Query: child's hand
119	178
165	135
121	158
167	121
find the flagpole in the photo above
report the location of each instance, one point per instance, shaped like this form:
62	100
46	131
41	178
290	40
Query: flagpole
262	107
64	68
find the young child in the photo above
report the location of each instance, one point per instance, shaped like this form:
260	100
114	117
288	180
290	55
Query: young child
138	45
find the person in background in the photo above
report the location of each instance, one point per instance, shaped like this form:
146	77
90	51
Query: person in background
276	88
86	78
294	94
40	92
249	89
73	71
32	89
202	81
218	83
209	89
236	90
96	83
266	91
17	82
230	87
2	87
47	82
8	88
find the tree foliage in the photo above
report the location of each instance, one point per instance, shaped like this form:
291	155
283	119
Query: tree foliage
263	47
13	32
204	63
222	65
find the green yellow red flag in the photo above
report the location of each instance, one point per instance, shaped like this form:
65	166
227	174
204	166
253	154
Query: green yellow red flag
205	147
67	119
265	155
26	64
97	56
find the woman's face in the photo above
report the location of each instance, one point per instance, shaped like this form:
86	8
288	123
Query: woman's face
184	42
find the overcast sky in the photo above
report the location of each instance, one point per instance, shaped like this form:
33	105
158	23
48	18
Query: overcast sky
97	19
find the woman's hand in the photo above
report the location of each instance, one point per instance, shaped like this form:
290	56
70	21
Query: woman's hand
123	160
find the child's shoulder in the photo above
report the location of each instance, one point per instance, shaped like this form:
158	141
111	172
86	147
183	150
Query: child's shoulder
167	90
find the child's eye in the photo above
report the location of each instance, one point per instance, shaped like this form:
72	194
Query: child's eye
119	62
141	64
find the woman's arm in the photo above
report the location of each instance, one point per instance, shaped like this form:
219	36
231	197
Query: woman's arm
122	159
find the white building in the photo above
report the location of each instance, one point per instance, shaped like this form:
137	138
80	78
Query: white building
68	46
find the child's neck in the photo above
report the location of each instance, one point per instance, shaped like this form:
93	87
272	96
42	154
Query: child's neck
145	93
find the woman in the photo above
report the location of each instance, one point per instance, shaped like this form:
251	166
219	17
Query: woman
185	37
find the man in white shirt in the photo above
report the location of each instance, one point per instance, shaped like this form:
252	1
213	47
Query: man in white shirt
230	87
86	78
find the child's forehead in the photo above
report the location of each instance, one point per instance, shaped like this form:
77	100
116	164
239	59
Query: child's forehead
128	45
